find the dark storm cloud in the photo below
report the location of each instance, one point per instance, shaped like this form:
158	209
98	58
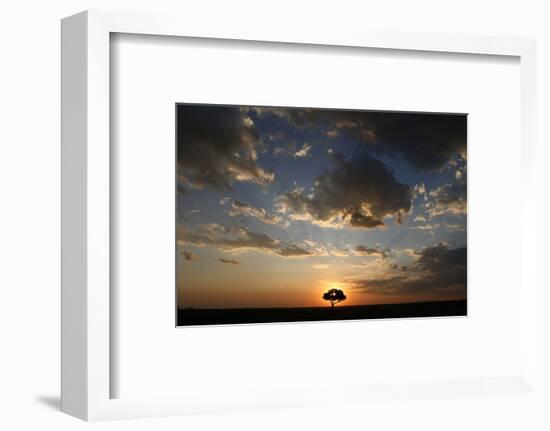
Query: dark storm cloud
437	269
217	145
230	261
242	238
360	220
362	190
426	141
369	251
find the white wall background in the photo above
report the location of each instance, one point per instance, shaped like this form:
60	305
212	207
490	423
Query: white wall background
29	216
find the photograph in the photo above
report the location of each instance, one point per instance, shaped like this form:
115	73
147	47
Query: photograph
295	214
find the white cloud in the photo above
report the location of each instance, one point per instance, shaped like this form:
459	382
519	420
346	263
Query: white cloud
302	152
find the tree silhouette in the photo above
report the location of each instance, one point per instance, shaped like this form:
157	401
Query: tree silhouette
334	296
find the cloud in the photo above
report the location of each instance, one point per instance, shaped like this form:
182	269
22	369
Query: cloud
411	252
241	208
278	150
187	255
292	149
361	190
241	238
302	152
453	226
230	261
420	191
448	199
217	146
367	221
369	251
425	141
294	250
424	227
437	269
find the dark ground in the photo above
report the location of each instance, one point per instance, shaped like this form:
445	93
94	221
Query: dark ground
268	315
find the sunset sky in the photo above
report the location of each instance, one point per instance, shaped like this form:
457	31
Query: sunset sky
277	205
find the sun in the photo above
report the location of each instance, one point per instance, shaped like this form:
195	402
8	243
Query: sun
326	286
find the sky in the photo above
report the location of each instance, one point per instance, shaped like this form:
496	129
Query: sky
277	205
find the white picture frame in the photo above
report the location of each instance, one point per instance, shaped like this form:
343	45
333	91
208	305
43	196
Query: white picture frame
86	311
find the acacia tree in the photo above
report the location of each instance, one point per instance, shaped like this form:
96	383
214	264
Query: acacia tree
334	296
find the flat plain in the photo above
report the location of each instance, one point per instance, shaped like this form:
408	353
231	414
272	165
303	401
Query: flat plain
200	316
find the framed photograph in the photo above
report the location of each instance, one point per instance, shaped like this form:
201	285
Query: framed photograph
243	208
283	213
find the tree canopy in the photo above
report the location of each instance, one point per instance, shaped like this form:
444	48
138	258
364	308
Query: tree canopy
334	296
